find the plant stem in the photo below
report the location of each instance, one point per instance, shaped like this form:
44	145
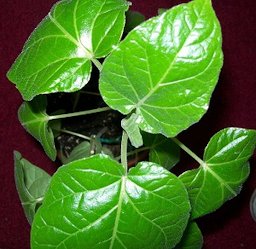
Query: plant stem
124	143
75	134
188	151
75	114
97	64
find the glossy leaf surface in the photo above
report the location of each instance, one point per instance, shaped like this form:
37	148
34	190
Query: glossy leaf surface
57	56
34	119
162	150
31	183
92	203
224	170
192	238
166	69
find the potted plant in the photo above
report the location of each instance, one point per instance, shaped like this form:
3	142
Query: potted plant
160	79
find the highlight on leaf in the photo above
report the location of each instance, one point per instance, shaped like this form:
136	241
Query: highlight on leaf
58	55
166	69
94	201
225	168
161	78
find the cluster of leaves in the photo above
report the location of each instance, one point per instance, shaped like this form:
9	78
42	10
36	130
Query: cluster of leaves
161	77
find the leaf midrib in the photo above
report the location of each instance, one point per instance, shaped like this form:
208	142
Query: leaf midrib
222	181
119	209
152	91
38	120
88	53
88	226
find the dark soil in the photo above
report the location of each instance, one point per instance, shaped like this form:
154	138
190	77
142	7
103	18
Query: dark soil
104	125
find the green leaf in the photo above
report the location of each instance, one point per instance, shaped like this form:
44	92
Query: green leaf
31	183
192	238
166	69
162	150
224	170
34	119
133	19
57	56
55	125
82	150
93	203
132	130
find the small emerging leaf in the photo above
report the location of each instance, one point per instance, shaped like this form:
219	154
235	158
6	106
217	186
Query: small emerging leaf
93	203
57	56
166	69
34	119
224	170
162	150
31	183
132	129
192	238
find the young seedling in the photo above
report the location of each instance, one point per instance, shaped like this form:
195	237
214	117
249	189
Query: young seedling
160	76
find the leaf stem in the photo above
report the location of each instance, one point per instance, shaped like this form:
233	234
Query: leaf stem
97	64
124	143
75	134
188	151
75	114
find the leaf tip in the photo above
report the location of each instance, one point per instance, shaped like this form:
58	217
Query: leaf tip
16	155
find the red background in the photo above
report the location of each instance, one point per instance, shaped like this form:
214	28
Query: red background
233	104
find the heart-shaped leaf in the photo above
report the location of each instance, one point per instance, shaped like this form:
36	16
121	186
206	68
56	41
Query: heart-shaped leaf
146	208
57	56
162	150
34	119
224	170
31	183
166	69
192	238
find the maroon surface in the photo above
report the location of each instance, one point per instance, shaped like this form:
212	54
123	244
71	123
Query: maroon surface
233	104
